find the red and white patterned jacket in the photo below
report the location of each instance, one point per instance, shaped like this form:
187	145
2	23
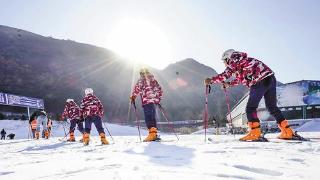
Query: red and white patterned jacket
91	105
246	70
71	111
149	90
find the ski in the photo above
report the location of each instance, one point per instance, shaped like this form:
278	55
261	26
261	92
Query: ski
260	139
210	140
263	139
285	141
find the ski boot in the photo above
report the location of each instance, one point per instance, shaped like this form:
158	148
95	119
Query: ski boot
152	135
287	133
46	134
104	141
37	135
71	139
254	133
86	139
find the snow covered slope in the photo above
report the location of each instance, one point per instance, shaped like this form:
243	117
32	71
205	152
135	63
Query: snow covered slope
190	158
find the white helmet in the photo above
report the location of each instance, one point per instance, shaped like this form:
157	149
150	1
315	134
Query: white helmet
144	70
227	54
69	100
88	91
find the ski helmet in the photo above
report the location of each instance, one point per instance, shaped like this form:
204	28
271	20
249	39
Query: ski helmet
69	100
227	55
88	91
144	71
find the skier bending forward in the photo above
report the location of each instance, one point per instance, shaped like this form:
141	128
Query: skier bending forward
92	111
262	83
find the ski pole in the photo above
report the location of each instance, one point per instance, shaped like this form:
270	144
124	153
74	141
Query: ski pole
165	117
108	131
205	117
64	129
68	133
229	111
137	118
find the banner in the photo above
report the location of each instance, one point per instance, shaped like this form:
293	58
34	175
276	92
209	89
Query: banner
2	100
15	100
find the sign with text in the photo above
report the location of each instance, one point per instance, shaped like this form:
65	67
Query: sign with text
15	100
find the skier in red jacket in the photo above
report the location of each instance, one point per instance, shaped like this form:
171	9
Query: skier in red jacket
150	92
73	113
92	112
262	83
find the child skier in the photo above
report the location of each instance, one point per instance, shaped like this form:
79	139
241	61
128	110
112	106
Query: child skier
73	113
262	83
150	92
92	112
33	125
42	118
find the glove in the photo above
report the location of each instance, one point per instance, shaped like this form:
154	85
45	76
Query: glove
207	81
132	99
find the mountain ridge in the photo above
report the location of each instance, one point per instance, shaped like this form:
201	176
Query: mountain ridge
53	69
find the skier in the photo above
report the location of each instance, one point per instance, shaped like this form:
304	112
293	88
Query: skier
33	125
3	134
151	93
262	83
92	112
73	113
42	118
49	126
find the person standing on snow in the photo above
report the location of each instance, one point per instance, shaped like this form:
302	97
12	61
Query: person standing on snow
262	83
41	116
73	113
151	93
92	112
3	134
49	127
33	126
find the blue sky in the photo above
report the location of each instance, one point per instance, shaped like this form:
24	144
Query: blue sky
284	34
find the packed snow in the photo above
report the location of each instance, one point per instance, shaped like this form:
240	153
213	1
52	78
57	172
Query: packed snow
127	158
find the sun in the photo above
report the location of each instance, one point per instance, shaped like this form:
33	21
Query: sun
141	42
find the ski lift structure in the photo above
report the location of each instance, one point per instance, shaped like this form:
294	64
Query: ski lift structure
21	101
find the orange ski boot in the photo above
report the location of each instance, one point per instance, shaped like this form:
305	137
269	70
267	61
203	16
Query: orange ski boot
254	133
286	131
46	134
37	135
71	139
104	141
152	135
86	139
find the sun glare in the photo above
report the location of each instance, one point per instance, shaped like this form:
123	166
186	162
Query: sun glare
141	42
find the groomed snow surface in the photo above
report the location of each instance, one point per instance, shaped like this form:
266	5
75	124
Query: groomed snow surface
126	159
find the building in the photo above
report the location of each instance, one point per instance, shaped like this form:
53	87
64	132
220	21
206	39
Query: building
299	101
